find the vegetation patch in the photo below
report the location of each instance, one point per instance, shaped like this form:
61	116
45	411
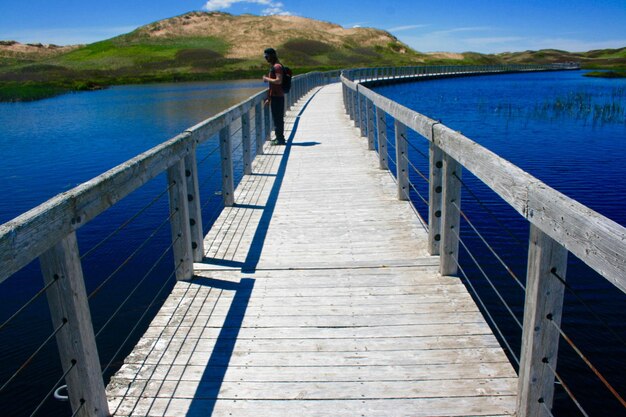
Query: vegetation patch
606	74
307	46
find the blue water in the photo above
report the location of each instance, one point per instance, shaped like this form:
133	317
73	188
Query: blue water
52	145
570	132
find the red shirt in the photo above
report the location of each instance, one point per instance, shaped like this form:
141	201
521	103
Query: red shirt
276	90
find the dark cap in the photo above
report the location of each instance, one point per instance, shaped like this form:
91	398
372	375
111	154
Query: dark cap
270	51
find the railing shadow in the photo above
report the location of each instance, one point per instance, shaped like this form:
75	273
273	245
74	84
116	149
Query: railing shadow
256	246
210	384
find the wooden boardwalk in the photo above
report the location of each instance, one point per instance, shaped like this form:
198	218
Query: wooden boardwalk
317	298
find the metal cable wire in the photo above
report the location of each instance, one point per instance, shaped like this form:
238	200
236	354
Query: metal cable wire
211	175
588	307
415	148
146	275
45	398
597	373
217	148
506	267
259	185
29	302
167	280
390	144
180	347
384	120
419	216
418	194
80	407
171	339
482	271
493	322
491	213
543	404
31	357
248	191
417	171
566	388
127	222
132	255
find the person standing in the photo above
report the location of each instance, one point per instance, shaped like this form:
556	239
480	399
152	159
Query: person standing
276	95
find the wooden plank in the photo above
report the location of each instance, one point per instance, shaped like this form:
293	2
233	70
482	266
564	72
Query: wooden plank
163	372
342	305
473	406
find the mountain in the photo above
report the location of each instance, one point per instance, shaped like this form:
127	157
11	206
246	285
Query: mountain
204	46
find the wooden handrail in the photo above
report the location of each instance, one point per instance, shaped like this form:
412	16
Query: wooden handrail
559	224
595	239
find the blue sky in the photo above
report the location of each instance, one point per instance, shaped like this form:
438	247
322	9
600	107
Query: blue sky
486	26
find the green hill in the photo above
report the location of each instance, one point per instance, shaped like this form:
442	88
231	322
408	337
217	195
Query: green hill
206	46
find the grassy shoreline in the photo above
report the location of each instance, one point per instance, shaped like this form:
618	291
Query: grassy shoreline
607	74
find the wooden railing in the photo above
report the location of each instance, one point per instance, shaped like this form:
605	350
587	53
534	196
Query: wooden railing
48	232
558	224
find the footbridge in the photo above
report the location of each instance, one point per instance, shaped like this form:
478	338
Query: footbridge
318	289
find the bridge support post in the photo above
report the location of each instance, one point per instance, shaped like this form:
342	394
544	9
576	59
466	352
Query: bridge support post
180	221
267	117
382	138
195	209
69	310
226	154
350	108
355	107
402	163
451	212
245	143
258	128
370	126
542	317
435	189
358	102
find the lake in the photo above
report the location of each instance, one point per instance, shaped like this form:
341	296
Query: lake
565	129
570	132
52	145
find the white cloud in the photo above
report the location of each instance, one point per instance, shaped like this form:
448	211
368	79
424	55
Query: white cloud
402	28
272	7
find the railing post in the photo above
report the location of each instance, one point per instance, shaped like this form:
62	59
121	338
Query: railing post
370	126
245	143
357	118
267	122
382	138
226	154
355	107
69	308
402	163
542	317
195	209
435	188
258	128
451	212
179	221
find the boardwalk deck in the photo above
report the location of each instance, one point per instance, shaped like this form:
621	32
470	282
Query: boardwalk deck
317	298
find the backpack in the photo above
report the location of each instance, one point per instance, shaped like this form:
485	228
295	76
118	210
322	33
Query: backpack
287	74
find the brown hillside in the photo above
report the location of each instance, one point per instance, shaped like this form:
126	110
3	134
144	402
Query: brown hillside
13	49
249	34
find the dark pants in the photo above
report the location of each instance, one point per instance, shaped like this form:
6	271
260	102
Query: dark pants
277	105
